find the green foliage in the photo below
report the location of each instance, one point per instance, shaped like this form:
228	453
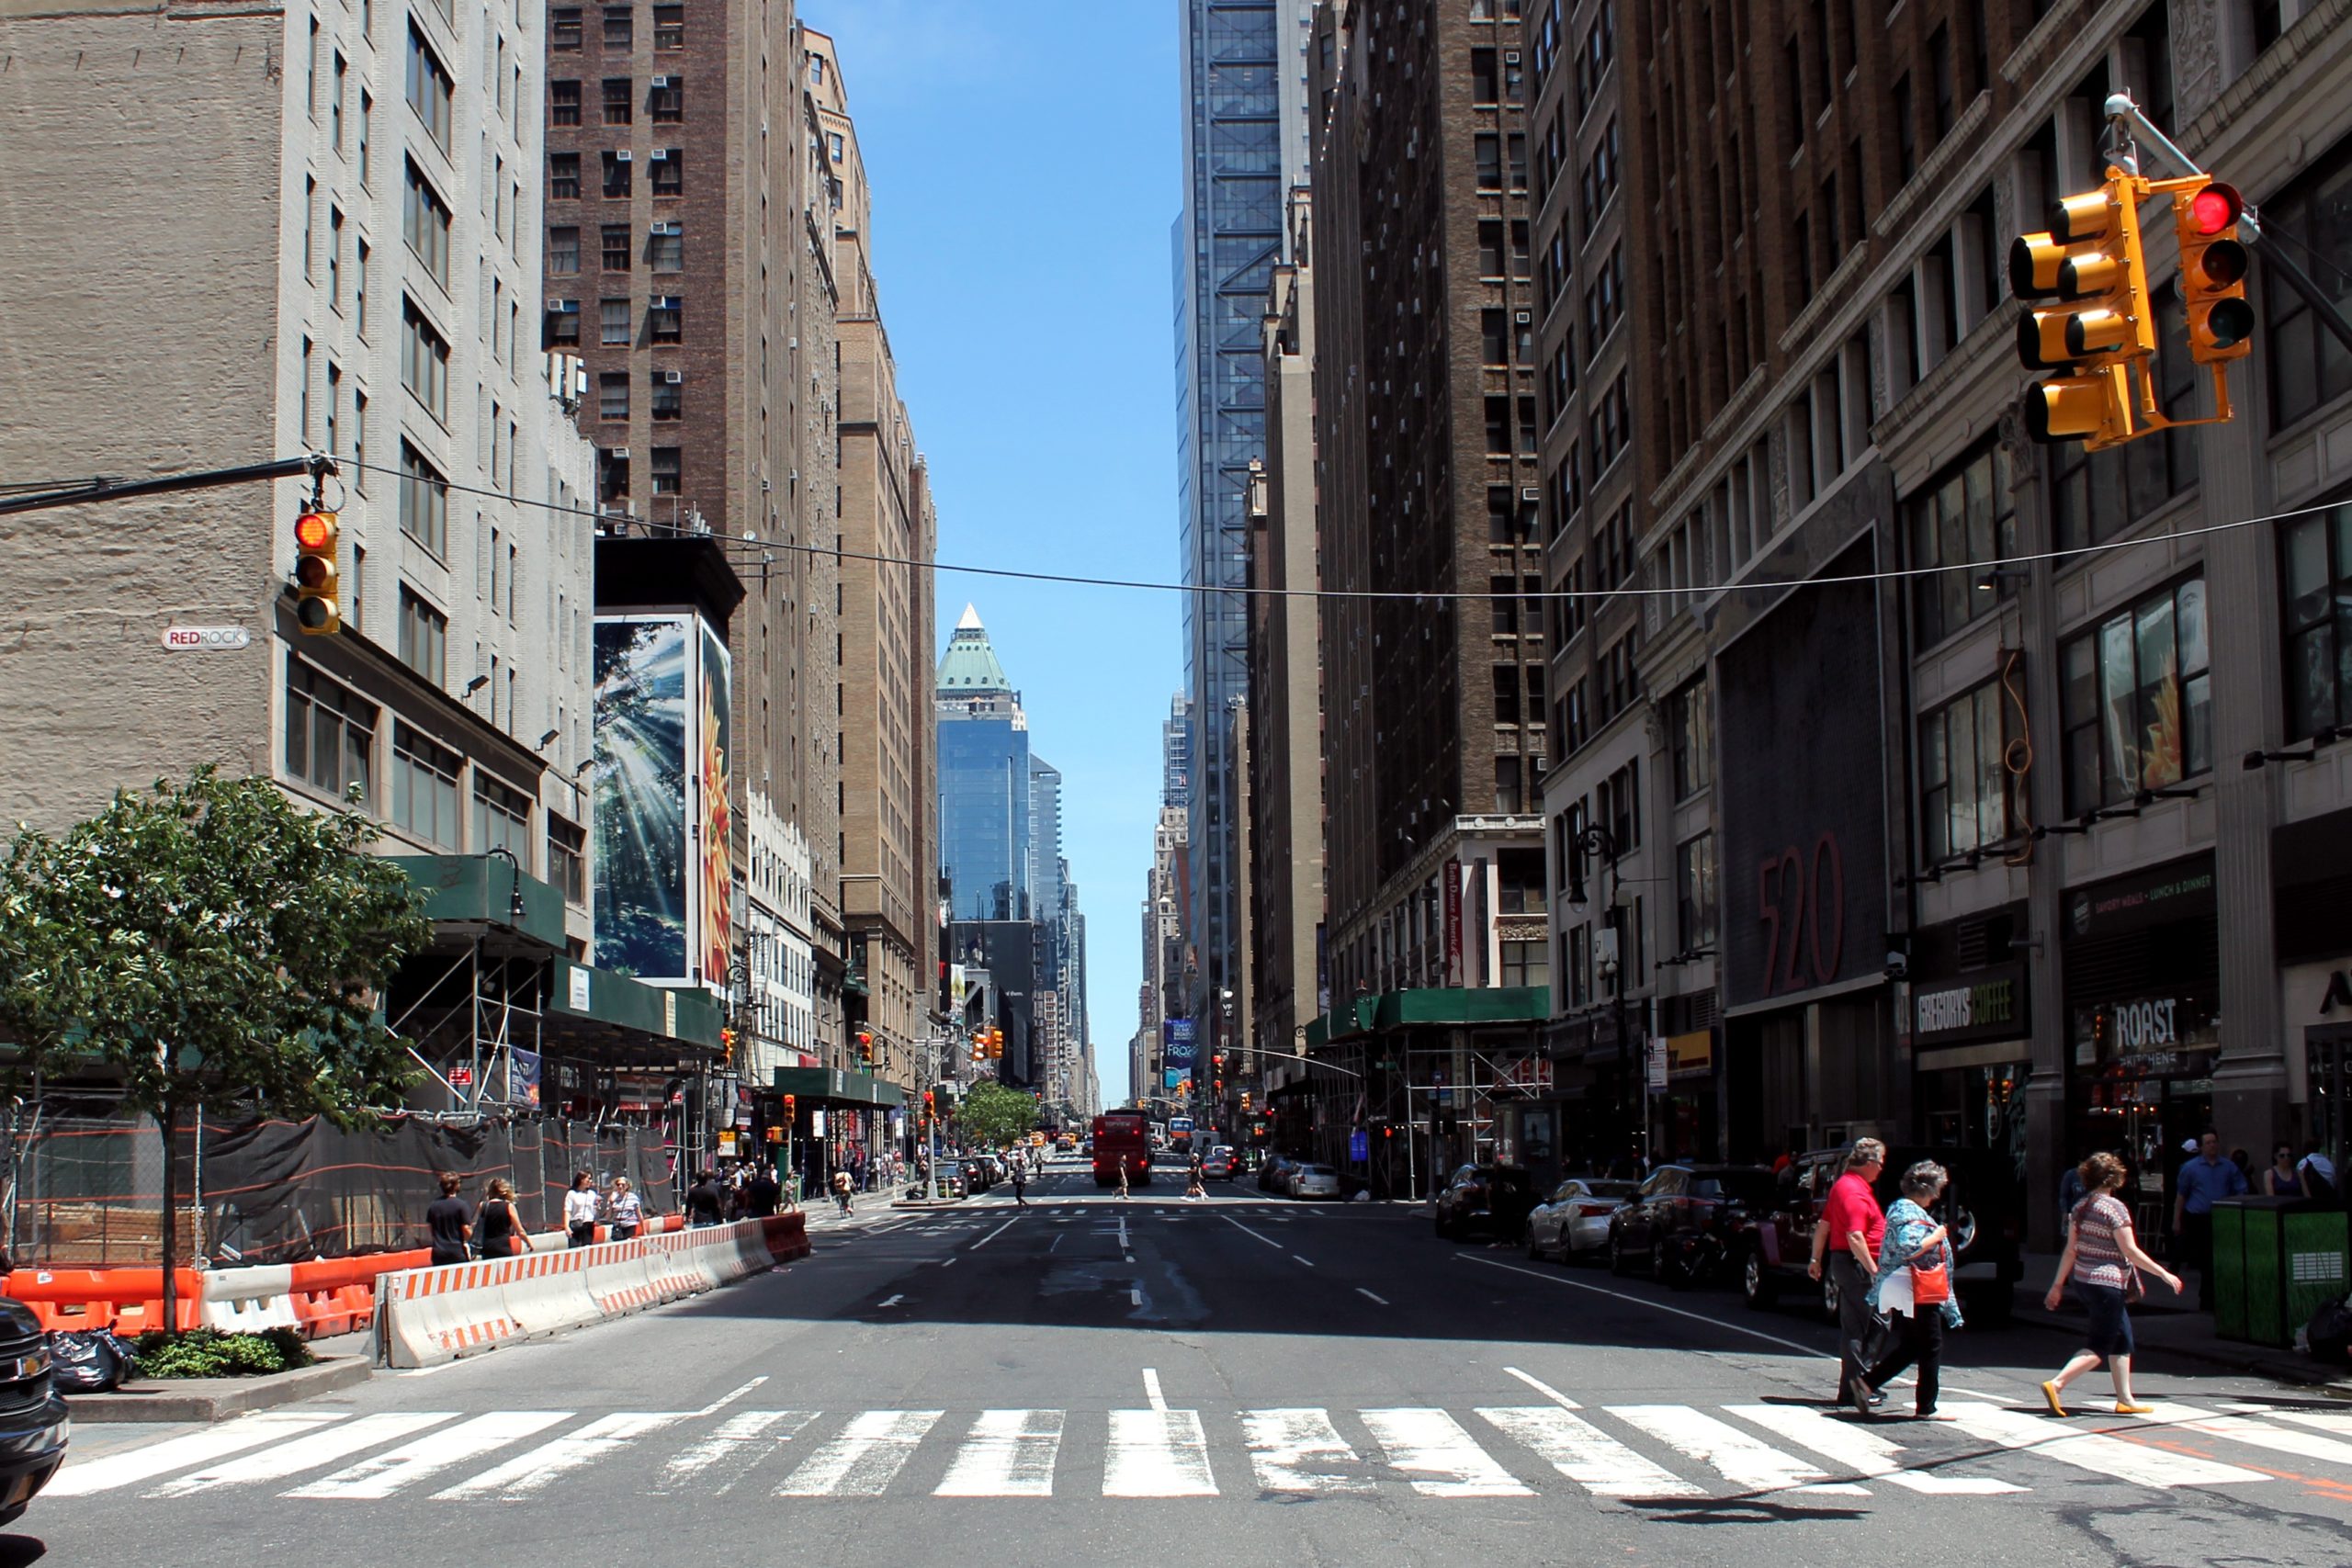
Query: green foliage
210	941
993	1115
210	1353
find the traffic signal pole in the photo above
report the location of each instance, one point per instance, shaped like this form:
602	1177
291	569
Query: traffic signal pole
314	465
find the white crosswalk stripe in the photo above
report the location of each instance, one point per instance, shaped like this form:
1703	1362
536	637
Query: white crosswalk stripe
1745	1462
1010	1453
396	1471
2091	1451
540	1468
315	1450
1158	1453
714	1464
1854	1447
1443	1460
1586	1454
129	1468
867	1457
2243	1429
1285	1444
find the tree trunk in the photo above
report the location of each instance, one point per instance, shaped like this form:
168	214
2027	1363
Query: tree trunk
168	1119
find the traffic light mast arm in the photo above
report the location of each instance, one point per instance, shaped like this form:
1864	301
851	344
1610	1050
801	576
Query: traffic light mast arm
314	465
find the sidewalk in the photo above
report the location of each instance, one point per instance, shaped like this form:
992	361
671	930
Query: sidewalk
2171	1325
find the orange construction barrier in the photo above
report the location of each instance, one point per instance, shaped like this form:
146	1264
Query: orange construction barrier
128	1300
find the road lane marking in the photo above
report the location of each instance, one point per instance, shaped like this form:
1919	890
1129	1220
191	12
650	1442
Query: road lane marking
1281	1442
947	1263
2318	1420
533	1472
722	1403
1135	1296
2092	1450
1439	1456
2239	1428
1650	1306
372	1480
312	1451
106	1473
865	1460
1296	1258
1152	1389
1158	1453
1586	1454
994	1233
1545	1389
1370	1297
892	1301
1745	1461
716	1464
1245	1230
1856	1447
1056	1242
1010	1453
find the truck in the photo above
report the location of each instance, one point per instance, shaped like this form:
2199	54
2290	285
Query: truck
1180	1133
1122	1140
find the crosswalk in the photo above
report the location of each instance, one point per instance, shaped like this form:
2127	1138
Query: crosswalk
1614	1453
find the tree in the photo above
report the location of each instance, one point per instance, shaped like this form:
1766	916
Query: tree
208	942
993	1115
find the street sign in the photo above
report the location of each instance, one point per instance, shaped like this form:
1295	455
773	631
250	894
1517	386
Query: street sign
460	1078
1358	1145
1657	1055
207	639
816	1124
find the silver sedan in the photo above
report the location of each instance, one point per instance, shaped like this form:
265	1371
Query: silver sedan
1575	1217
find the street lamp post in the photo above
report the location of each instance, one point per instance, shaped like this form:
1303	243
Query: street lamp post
1595	839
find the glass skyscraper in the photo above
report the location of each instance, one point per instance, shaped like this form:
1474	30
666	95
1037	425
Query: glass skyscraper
1245	141
984	785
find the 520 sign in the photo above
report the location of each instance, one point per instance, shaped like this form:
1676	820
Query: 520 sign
1800	902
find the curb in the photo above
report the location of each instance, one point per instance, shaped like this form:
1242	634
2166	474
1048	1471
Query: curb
216	1399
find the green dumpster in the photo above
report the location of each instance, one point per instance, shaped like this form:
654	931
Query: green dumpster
2276	1261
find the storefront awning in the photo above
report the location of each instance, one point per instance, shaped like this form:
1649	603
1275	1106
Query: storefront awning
486	894
837	1087
1432	1006
677	1016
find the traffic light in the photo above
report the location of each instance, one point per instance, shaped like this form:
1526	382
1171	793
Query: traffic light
2213	265
790	1103
2089	259
996	1045
927	1105
727	1045
866	1046
315	586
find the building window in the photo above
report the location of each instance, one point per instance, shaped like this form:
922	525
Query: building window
425	639
668	101
2309	369
669	27
620	98
2138	700
612	395
1616	683
567	858
563	322
424	224
425	788
1525	963
424	502
670	171
428	89
563	28
563	252
665	318
2315	555
666	478
563	103
1965	516
668	250
501	819
616	247
367	119
1694	893
1966	791
335	106
613	320
563	176
1690	738
330	735
612	475
618	170
669	395
424	361
1489	148
620	27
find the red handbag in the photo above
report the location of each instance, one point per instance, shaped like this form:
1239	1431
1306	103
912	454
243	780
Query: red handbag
1930	1284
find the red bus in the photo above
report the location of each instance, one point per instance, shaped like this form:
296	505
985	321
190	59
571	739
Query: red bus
1121	1138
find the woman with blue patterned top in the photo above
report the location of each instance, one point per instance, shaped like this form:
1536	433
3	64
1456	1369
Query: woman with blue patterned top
1913	1237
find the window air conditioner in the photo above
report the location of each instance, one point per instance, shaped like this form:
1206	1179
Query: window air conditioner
673	377
1511	57
566	307
660	82
1531	493
621	452
659	154
623	156
1523	317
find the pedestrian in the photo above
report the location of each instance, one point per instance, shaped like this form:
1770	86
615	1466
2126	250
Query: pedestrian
627	1210
499	1231
2103	1262
2318	1172
1123	1176
1914	1291
762	1195
842	1190
1021	1184
449	1222
2203	1181
2281	1179
1846	1241
703	1201
1194	1186
580	1206
2069	1193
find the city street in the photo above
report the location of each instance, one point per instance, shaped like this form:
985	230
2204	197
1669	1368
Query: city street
1154	1377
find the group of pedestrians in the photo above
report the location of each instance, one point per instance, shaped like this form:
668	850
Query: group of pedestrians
494	1228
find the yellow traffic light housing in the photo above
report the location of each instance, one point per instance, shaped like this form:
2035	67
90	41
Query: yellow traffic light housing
2214	267
316	609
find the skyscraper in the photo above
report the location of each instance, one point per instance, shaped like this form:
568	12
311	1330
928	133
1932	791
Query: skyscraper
1245	141
984	785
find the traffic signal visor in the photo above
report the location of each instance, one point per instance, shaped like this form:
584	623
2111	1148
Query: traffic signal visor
316	534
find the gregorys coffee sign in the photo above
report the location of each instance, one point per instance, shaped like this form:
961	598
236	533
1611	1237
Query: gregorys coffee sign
1988	1007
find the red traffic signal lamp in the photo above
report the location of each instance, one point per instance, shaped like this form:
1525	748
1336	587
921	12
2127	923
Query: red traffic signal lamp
727	1045
866	1046
316	611
2214	267
791	1104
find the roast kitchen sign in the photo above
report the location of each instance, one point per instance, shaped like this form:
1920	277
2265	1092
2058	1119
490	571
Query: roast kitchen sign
1990	1006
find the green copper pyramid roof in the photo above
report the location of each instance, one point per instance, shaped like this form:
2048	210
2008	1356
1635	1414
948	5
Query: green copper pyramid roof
970	666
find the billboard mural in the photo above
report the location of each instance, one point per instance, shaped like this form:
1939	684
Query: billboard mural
1176	1048
715	747
640	670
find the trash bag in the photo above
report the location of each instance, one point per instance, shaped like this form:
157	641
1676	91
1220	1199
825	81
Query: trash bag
2329	1333
89	1360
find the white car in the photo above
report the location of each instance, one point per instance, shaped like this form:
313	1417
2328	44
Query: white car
1314	1181
1575	1218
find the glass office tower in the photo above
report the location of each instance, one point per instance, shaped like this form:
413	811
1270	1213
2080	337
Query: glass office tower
984	785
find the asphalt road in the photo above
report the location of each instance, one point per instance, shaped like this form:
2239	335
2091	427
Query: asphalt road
1091	1381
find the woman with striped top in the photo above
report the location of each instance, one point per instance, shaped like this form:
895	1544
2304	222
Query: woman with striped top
2101	1254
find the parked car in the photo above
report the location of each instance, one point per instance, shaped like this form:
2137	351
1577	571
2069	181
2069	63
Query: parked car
1314	1181
1495	1199
33	1424
1574	1217
1984	1205
1686	1221
1218	1164
976	1176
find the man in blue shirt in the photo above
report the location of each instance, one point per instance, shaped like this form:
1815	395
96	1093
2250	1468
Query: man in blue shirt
2203	1180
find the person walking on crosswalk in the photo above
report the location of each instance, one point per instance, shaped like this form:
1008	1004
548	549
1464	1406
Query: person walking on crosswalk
2101	1255
1916	1247
1846	1241
1020	1183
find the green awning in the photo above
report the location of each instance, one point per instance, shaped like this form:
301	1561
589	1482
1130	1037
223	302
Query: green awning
1433	1006
837	1086
685	1014
482	890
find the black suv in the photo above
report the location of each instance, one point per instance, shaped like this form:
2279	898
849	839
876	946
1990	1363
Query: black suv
1687	1219
1984	1205
33	1423
1496	1198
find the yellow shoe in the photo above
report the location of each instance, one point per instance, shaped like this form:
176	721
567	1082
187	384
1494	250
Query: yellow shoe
2125	1409
2057	1405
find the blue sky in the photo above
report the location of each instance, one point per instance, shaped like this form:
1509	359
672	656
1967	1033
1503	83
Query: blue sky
1027	163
